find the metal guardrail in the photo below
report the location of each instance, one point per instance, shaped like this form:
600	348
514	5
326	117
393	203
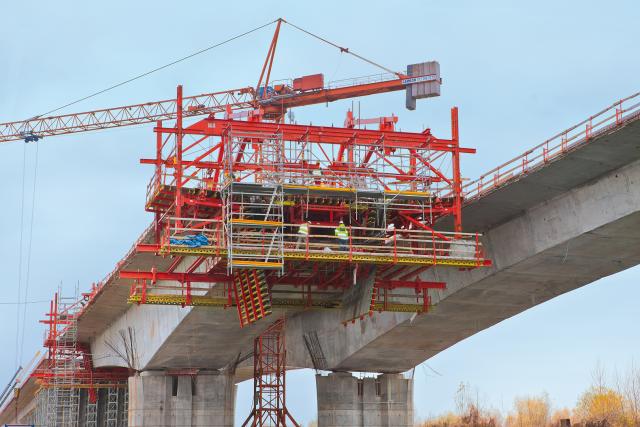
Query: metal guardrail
321	240
87	299
615	115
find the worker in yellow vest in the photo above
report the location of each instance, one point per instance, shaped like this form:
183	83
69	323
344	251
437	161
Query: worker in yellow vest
342	233
303	234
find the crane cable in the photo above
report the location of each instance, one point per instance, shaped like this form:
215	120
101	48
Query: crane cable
343	49
206	49
27	276
24	170
162	67
20	334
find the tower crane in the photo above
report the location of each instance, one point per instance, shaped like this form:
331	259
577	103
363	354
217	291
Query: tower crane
272	101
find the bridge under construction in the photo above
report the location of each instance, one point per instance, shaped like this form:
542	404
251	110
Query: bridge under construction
278	246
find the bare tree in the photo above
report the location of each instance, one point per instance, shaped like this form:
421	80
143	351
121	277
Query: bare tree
126	348
531	411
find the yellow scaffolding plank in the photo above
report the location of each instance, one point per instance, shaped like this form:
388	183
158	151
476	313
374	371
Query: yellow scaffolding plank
354	190
165	299
202	301
256	222
400	307
254	264
407	193
356	257
320	188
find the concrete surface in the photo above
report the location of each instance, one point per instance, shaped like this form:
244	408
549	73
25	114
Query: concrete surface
344	400
157	399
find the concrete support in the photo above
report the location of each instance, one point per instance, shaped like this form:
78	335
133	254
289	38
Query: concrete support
157	399
344	400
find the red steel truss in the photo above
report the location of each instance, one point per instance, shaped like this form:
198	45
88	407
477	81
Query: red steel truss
269	388
389	187
384	159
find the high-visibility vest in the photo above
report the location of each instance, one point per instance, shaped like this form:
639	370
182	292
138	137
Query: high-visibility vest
304	229
341	232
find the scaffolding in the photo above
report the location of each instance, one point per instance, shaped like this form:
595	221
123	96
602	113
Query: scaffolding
253	218
239	193
253	214
62	399
111	419
91	416
68	379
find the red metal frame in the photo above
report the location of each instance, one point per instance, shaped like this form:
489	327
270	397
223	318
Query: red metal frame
181	165
269	383
64	351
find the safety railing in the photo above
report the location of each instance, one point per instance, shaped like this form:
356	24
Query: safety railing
393	244
157	181
356	81
96	288
352	179
615	115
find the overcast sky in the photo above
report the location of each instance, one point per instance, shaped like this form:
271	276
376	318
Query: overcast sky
518	73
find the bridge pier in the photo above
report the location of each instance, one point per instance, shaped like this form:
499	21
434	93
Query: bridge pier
344	400
159	399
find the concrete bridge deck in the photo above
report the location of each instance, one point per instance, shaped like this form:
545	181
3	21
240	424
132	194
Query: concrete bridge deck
562	225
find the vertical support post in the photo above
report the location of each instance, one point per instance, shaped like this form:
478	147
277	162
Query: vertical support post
413	168
457	180
158	183
178	166
395	246
350	245
619	114
187	299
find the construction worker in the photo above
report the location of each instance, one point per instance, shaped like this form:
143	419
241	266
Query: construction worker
390	235
343	236
303	234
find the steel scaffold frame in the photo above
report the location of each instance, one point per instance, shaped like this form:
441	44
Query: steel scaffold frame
111	419
269	385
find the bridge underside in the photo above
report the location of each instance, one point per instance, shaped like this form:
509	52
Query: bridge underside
559	228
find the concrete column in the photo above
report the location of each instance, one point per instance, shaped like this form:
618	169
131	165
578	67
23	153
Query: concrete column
344	400
157	399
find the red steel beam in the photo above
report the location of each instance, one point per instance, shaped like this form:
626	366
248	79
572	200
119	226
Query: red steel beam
147	247
279	104
418	285
323	134
178	277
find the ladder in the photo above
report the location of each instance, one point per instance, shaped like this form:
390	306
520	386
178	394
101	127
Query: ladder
253	205
253	299
254	225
